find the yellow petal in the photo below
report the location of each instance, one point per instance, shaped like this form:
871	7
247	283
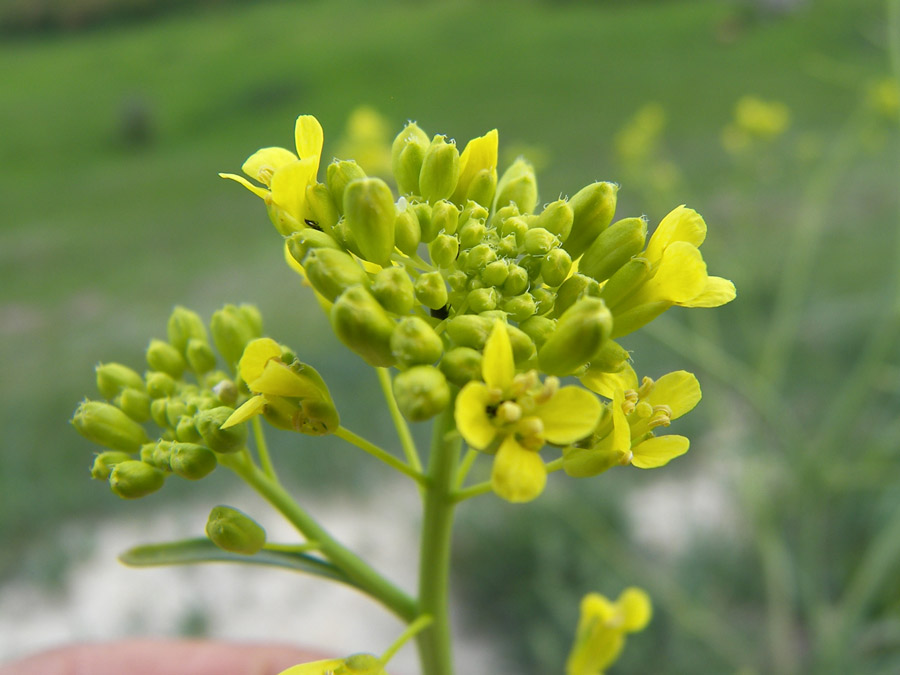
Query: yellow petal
621	434
289	186
570	415
277	379
471	415
498	367
256	354
679	390
479	153
326	667
262	193
263	163
681	224
309	137
252	406
607	383
518	475
657	451
715	293
635	608
680	277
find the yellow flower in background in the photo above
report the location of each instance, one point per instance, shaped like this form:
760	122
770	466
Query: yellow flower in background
515	415
285	175
755	121
883	97
625	435
367	139
602	625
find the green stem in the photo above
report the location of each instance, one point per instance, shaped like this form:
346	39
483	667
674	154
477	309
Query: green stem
357	570
380	454
434	562
464	466
262	449
472	491
406	439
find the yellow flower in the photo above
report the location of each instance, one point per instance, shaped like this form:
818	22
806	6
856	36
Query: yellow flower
602	625
285	175
292	397
625	434
358	664
515	415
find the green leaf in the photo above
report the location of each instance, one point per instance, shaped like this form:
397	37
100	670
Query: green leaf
202	550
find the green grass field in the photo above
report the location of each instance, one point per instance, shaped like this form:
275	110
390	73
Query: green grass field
100	236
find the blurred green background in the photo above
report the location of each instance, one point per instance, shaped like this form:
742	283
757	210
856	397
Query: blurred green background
773	547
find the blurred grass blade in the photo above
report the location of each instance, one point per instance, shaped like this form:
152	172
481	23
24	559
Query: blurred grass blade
202	550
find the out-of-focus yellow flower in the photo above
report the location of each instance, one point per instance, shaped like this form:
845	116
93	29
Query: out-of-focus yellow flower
883	97
602	625
755	121
514	415
358	664
639	138
625	434
367	140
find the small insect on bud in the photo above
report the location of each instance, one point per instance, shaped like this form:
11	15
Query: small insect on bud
394	290
370	213
106	425
164	357
184	325
209	423
421	392
112	378
614	247
580	333
235	531
440	170
407	153
322	211
414	342
518	186
133	479
364	326
331	271
192	461
339	174
593	207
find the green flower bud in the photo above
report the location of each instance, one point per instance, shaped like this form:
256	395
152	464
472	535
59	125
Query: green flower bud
345	238
611	358
158	412
339	174
364	326
302	242
316	417
538	328
407	153
414	342
469	330
421	392
557	217
625	281
209	422
507	247
495	273
184	325
226	392
444	218
157	454
458	280
133	479
473	210
483	299
461	365
164	357
540	242
200	356
555	267
515	227
105	461
573	289
331	272
503	214
106	425
614	247
471	233
532	265
593	207
370	213
516	281
423	213
212	380
520	307
394	290
232	328
544	300
580	334
407	232
518	186
175	409
443	250
186	430
363	664
235	531
479	257
112	378
322	210
192	461
135	403
483	187
440	170
160	385
637	317
431	290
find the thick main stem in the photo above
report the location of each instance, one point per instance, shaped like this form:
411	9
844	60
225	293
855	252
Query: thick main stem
434	561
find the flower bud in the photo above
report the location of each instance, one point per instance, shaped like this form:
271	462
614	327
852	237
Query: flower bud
160	385
483	299
164	357
339	174
209	423
580	333
421	392
133	479
234	531
414	342
520	307
444	218
407	232
518	186
532	265
407	153
557	218
636	317
495	273
615	246
443	250
611	358
625	281
316	417
370	213
544	299
302	242
593	207
186	430
478	170
106	425
232	328
114	377
157	454
323	212
423	213
135	403
471	233
461	365
483	187
431	290
440	170
573	289
394	290
363	326
522	345
516	281
200	356
192	461
158	412
345	238
538	328
105	461
469	330
539	242
184	325
331	271
555	267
